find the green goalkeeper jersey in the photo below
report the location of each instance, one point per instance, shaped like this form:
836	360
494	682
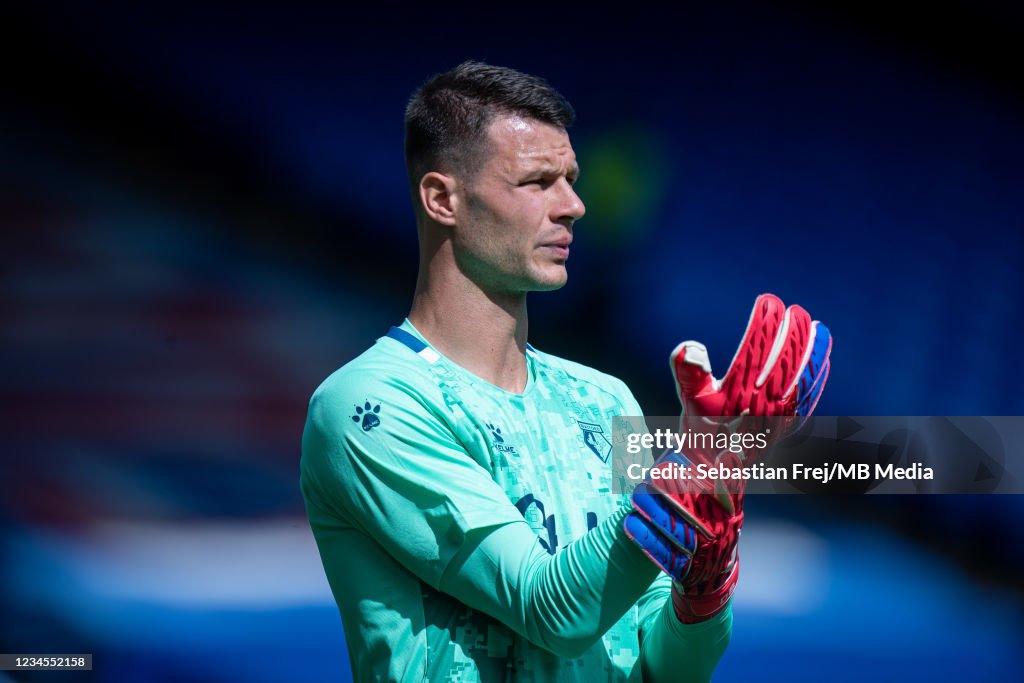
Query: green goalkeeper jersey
470	534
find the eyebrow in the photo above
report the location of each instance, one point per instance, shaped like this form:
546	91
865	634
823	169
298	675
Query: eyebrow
545	168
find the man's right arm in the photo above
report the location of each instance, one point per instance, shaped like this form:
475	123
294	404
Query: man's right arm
565	602
410	486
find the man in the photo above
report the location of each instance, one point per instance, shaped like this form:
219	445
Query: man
457	479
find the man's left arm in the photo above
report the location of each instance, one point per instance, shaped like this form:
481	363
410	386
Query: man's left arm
670	650
673	651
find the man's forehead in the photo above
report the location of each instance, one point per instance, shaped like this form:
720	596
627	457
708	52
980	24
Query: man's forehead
528	142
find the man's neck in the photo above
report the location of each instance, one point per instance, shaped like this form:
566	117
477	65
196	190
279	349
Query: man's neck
484	333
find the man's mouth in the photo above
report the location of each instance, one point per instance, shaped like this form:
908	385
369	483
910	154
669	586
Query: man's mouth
559	247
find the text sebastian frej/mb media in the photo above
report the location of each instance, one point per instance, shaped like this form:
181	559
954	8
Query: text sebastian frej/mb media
737	443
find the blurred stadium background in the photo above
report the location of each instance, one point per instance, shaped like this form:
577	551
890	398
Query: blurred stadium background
205	212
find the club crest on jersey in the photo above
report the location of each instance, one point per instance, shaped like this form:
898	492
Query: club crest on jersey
595	439
499	440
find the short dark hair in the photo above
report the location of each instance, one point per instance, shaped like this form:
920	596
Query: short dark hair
447	117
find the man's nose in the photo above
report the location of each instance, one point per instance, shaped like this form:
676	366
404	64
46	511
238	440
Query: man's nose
571	205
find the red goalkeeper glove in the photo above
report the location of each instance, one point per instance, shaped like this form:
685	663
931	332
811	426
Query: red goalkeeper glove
691	527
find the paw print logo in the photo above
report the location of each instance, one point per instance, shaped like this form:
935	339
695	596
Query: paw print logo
496	433
367	414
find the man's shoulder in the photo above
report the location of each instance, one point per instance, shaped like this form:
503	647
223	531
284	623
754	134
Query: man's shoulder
387	368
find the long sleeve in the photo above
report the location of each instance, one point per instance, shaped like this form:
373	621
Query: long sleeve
410	522
671	651
563	602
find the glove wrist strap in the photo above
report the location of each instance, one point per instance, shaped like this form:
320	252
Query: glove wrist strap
692	608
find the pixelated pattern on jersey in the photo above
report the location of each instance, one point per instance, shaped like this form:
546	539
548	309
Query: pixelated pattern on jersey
544	449
541	447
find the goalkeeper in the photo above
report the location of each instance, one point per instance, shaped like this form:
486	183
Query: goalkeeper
457	480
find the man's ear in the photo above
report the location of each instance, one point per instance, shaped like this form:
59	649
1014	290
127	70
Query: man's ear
437	197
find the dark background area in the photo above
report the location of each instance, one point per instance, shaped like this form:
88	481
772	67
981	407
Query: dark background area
205	212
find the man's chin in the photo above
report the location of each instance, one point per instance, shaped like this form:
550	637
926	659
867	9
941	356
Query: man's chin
545	279
551	280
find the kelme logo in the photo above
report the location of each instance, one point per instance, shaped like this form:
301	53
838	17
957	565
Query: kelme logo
367	415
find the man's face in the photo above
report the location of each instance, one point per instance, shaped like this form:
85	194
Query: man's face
514	224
